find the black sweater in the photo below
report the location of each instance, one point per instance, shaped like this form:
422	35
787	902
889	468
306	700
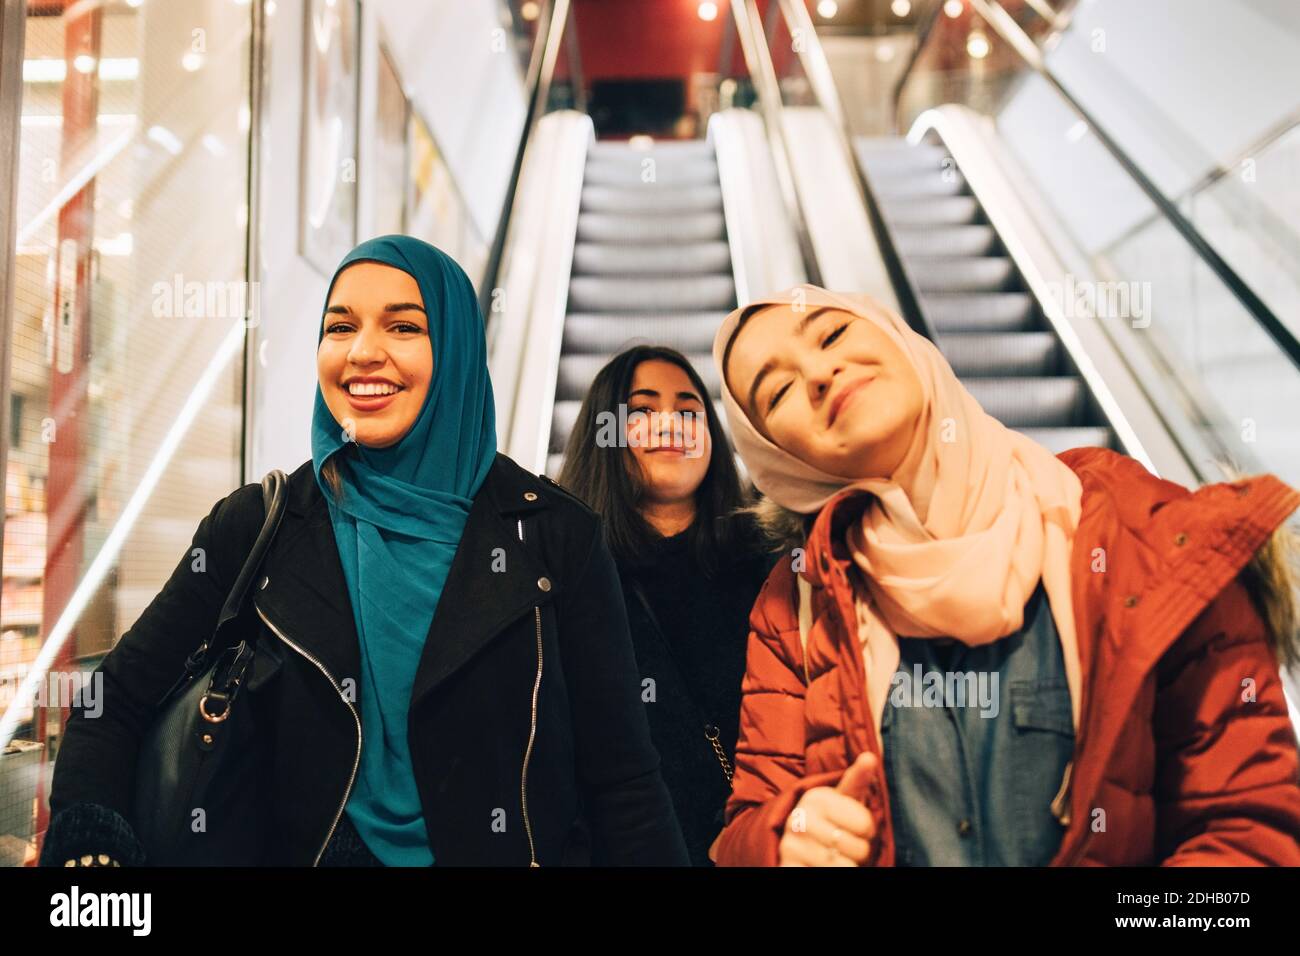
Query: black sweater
691	643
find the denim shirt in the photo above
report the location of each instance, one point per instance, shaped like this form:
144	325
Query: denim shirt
974	754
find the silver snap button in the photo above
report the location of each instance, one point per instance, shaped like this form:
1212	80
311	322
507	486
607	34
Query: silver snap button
530	496
544	583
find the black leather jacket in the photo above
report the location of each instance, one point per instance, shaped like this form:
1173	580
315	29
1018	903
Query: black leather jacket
572	769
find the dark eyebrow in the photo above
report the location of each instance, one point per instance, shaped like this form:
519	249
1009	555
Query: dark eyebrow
768	366
655	394
391	307
404	307
804	322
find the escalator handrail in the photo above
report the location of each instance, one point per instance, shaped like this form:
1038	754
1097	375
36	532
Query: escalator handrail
551	24
924	28
758	60
1005	26
817	69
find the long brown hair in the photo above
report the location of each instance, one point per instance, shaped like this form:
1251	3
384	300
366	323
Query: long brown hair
608	480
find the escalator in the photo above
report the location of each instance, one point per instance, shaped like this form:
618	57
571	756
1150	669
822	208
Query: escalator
651	264
974	301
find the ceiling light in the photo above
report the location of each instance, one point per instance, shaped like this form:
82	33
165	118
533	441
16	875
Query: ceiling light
953	8
708	11
827	9
977	45
901	8
530	11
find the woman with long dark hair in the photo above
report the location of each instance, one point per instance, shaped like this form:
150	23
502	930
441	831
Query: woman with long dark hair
649	454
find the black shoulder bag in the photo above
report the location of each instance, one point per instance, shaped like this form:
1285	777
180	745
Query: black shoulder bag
197	796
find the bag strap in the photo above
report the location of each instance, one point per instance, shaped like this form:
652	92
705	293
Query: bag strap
805	620
274	496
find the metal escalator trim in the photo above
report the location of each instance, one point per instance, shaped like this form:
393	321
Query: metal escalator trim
1009	30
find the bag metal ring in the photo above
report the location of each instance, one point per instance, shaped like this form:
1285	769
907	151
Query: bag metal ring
203	701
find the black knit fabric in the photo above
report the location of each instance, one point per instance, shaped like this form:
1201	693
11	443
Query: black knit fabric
90	828
697	665
346	848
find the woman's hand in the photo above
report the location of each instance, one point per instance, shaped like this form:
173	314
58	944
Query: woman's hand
831	826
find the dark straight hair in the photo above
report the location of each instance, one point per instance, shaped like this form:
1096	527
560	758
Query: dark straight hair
609	480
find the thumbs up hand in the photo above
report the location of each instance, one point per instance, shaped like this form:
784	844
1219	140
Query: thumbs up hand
831	826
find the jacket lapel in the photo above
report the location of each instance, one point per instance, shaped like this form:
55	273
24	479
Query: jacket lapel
305	595
493	579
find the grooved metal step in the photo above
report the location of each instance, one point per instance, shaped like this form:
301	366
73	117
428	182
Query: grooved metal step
685	293
605	334
981	354
688	172
1030	402
651	258
931	211
1000	312
620	227
978	240
941	274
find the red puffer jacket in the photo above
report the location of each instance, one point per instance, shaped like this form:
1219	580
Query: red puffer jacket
1184	739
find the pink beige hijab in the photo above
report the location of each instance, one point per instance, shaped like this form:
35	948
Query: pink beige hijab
953	543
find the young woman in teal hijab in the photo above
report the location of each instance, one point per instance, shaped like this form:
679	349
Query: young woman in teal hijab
404	499
443	672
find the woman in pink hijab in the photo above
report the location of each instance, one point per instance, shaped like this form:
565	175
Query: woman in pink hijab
978	652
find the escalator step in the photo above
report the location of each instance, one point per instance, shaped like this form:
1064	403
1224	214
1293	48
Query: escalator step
981	354
587	334
896	151
664	200
635	171
650	259
685	293
1057	440
609	227
576	373
919	182
671	148
1031	402
996	312
952	241
943	274
937	211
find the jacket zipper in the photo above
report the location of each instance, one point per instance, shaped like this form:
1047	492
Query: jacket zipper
532	734
355	716
532	729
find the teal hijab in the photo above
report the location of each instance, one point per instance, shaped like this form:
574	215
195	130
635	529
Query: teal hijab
397	528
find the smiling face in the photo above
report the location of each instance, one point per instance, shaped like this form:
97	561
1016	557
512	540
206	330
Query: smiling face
827	386
666	431
375	360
